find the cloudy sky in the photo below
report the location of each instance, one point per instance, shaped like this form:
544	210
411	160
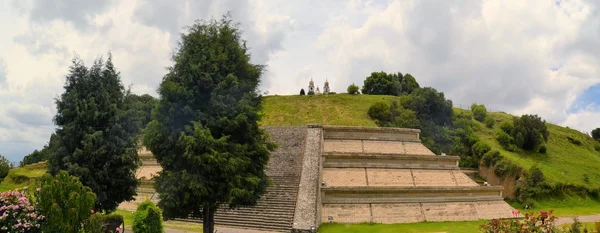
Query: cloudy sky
536	56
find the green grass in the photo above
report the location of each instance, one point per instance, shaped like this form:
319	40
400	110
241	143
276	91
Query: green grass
564	163
424	227
176	225
564	206
22	176
338	109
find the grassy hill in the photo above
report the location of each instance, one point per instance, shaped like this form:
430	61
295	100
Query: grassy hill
564	164
23	176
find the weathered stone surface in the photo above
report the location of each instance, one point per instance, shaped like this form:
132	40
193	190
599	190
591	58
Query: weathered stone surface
452	211
416	148
346	213
434	178
344	177
383	147
463	180
305	215
493	209
346	146
397	213
148	171
390	177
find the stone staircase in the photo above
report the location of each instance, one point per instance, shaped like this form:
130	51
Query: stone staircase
385	175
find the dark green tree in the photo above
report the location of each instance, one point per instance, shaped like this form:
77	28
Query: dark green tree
596	134
42	155
205	133
408	83
529	132
352	89
479	112
381	83
96	136
5	167
431	105
140	107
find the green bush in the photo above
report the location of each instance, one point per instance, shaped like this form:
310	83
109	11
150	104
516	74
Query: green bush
532	130
491	157
5	166
507	127
505	168
352	89
379	111
597	146
479	112
65	202
543	148
480	148
574	141
489	122
596	134
147	218
533	185
402	117
504	139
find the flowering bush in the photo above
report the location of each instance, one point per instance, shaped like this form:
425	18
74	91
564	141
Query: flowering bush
532	223
17	214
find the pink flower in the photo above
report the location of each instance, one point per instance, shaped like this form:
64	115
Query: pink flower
118	229
92	211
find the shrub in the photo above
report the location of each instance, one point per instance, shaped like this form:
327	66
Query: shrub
597	146
5	166
544	222
479	112
404	118
65	202
504	139
352	89
110	222
596	134
507	127
380	111
302	92
532	130
505	168
489	122
480	148
17	214
574	141
533	185
147	218
543	148
491	157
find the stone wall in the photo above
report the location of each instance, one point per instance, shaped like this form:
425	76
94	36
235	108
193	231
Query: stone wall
508	183
305	215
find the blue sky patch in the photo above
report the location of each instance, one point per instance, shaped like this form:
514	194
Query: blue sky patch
591	96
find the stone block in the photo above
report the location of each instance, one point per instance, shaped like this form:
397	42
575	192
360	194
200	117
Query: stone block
463	180
344	177
390	177
493	209
451	211
344	146
433	178
383	147
346	213
397	213
416	148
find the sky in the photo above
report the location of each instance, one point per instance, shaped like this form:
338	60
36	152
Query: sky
521	57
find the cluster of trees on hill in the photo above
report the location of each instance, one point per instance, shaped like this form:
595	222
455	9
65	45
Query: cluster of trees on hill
203	129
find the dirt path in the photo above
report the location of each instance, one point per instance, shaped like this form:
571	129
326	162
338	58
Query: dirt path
586	218
219	230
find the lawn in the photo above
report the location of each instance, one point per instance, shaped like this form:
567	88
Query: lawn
176	225
424	227
565	206
338	109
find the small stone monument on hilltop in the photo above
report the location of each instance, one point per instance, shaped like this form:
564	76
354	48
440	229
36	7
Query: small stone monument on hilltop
318	91
326	87
311	87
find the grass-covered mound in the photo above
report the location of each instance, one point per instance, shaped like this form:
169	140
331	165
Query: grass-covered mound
570	162
23	176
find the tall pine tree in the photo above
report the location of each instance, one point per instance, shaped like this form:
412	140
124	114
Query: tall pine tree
205	133
96	137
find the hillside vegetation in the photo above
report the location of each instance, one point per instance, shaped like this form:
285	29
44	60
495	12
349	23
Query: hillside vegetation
565	165
23	176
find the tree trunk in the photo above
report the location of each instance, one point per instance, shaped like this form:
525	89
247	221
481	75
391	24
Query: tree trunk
208	217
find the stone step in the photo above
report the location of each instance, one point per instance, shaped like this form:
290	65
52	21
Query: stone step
254	215
272	224
261	211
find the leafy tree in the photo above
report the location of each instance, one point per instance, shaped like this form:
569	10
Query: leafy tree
97	137
381	83
489	122
140	108
147	218
530	132
596	134
352	89
479	112
408	84
65	203
5	167
43	154
205	133
302	92
431	105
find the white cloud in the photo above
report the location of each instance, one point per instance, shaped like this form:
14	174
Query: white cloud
516	56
